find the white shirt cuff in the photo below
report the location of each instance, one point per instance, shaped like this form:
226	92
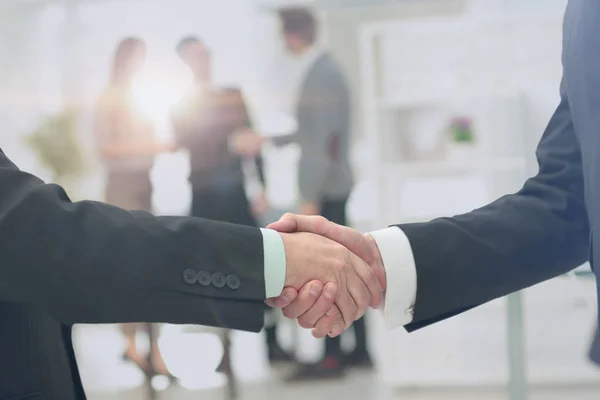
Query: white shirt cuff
401	276
274	262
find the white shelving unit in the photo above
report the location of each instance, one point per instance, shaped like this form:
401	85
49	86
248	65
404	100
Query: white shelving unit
416	76
427	71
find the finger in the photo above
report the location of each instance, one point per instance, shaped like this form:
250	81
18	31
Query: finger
325	324
307	296
320	308
285	224
346	303
370	282
360	294
337	327
331	324
287	296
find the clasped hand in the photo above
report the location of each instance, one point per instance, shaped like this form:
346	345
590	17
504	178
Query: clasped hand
333	274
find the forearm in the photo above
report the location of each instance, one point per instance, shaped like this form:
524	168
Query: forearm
512	244
90	262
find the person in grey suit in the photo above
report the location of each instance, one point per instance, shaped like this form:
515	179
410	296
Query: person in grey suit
325	178
439	269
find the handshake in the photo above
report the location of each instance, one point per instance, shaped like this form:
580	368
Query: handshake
333	274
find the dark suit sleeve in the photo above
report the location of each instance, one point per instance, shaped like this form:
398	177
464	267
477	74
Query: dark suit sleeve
518	241
88	262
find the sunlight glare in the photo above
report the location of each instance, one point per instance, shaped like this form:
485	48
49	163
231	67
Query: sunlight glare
155	95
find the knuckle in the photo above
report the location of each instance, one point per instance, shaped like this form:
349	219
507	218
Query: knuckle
341	264
288	215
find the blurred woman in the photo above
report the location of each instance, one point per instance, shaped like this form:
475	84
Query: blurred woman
127	147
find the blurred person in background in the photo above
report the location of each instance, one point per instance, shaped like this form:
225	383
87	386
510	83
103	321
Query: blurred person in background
323	115
127	147
203	124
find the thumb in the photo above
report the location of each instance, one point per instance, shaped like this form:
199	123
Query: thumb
286	224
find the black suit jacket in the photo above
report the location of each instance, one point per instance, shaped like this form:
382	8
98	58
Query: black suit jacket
548	227
63	263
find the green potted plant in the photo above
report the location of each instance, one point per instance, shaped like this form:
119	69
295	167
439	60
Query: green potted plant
58	148
462	139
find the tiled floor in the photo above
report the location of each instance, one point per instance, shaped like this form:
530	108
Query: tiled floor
355	387
193	356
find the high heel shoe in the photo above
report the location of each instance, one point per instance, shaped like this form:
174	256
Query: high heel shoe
165	372
141	364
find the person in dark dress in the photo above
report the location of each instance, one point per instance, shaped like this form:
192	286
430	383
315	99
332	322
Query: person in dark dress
203	124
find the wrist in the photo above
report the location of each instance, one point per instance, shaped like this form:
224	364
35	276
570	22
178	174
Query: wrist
377	262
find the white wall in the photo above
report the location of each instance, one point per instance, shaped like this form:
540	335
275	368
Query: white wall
19	111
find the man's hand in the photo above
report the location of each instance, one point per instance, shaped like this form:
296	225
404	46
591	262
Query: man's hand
311	257
362	245
245	142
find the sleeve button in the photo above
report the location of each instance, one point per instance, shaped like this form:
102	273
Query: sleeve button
233	282
189	276
204	278
218	280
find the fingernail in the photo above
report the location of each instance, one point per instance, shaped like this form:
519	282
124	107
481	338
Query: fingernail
330	291
316	289
331	311
286	295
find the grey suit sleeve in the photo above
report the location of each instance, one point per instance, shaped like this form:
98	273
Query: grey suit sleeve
89	262
318	123
518	241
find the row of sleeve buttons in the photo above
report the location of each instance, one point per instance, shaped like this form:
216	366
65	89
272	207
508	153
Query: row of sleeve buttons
204	278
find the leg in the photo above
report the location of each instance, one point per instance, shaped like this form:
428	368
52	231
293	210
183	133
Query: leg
274	352
360	331
129	331
131	353
155	356
225	364
360	356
